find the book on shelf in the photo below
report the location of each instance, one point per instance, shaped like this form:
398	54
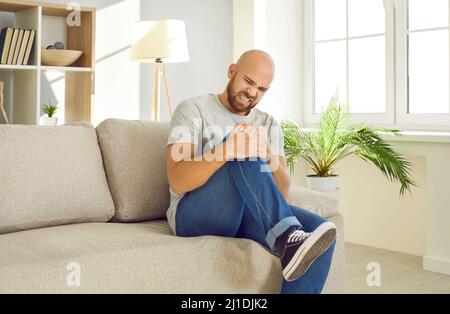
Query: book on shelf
13	46
5	43
23	47
29	46
19	42
16	45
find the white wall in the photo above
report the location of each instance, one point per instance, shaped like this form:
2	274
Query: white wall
437	209
284	31
209	27
277	29
243	27
123	88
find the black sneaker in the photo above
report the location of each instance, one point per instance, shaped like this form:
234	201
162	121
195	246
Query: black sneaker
300	249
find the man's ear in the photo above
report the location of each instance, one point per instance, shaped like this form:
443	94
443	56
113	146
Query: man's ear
232	71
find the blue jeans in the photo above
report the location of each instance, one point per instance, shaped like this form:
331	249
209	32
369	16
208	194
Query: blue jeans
241	201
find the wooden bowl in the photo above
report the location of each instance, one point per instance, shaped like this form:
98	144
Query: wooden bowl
56	57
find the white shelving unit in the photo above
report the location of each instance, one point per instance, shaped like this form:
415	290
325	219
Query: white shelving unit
23	83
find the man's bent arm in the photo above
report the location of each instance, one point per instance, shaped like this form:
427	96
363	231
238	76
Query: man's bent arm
188	174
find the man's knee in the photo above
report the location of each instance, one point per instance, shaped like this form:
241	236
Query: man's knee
253	165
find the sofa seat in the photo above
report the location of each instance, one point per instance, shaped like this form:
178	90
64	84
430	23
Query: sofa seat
133	258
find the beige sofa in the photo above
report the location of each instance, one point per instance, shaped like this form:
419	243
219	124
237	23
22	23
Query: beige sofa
82	210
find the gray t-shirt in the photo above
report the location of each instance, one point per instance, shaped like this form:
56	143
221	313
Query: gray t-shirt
204	121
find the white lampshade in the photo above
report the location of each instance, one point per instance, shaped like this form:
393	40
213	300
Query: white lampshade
164	39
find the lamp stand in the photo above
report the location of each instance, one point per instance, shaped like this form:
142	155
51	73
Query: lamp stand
2	108
160	70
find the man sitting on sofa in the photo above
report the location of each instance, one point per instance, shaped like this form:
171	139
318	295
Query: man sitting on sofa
228	177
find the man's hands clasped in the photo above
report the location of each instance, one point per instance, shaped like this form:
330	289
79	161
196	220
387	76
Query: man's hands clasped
247	141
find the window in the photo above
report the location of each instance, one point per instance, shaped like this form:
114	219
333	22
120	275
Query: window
422	63
389	59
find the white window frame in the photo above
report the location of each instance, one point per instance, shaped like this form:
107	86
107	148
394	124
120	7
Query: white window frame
396	115
413	120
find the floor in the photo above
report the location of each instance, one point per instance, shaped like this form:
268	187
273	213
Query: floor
394	272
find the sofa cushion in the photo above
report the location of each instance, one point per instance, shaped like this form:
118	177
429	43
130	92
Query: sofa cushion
134	154
51	176
133	258
317	202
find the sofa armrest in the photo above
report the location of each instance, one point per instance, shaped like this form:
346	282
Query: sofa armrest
314	201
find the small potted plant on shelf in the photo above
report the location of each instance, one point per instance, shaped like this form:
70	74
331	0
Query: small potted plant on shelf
333	139
49	120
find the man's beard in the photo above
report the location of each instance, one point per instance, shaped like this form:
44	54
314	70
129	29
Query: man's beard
237	106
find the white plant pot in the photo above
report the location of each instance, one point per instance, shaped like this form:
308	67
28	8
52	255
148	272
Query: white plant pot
46	121
326	185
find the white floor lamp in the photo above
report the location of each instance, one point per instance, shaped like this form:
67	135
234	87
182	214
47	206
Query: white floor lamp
160	42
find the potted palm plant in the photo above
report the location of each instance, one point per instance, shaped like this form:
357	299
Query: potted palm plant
335	138
50	111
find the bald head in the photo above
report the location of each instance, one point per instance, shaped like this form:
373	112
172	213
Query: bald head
256	58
